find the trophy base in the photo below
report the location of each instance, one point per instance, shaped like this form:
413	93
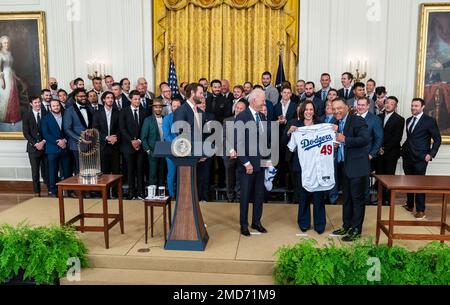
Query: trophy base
89	177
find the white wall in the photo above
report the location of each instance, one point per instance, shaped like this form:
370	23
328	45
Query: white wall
116	31
383	31
331	31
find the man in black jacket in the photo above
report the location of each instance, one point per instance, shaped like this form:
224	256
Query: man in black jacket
417	150
353	166
393	125
35	143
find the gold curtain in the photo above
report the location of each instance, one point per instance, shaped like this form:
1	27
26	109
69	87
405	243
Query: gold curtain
225	39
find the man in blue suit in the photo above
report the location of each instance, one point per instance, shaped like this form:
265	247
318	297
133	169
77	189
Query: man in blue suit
251	173
76	120
353	165
376	132
55	145
417	150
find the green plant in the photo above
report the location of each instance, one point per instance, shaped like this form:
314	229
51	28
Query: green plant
42	252
307	264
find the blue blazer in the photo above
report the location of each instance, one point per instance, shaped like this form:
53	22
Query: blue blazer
357	140
376	132
167	128
74	125
51	133
243	149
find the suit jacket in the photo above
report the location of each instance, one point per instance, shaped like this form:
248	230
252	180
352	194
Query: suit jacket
341	93
351	104
228	130
148	109
169	136
74	125
186	114
44	111
290	114
319	94
375	127
229	98
245	150
418	143
125	102
91	108
220	106
101	124
31	132
150	134
52	133
394	128
357	140
324	119
129	130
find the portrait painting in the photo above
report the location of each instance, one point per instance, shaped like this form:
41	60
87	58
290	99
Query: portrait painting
433	78
23	67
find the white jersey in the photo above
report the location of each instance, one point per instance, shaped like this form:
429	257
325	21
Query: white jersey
315	149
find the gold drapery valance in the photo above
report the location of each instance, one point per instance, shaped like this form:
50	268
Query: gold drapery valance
231	25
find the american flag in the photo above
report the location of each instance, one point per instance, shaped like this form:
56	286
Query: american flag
172	78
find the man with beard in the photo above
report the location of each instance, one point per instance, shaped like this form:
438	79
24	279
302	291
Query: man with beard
46	97
271	92
53	85
319	105
77	119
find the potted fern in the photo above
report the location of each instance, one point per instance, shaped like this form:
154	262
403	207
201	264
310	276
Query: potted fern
38	255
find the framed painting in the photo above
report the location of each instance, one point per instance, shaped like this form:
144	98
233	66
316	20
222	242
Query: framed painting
23	67
433	68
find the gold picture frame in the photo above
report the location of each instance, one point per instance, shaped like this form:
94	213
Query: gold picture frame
433	64
26	66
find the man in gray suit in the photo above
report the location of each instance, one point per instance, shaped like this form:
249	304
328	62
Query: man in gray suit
77	119
272	93
359	91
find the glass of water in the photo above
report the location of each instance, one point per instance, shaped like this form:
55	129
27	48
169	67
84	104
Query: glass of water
161	192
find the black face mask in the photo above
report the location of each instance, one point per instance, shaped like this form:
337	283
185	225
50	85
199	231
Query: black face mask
54	86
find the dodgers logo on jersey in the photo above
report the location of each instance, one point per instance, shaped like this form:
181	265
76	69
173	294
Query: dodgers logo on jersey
317	142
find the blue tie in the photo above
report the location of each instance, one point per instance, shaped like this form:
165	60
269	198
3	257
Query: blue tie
324	95
258	121
341	146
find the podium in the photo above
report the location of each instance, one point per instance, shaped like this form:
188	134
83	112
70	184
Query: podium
188	232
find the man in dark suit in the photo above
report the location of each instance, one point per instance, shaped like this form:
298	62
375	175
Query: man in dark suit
131	121
106	121
77	119
204	83
56	147
370	90
231	163
417	150
93	101
319	105
226	91
120	99
284	111
46	97
359	92
353	166
145	102
248	148
221	108
375	128
394	125
31	126
346	92
192	118
325	81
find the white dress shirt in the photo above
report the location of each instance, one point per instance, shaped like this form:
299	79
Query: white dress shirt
285	107
84	113
108	119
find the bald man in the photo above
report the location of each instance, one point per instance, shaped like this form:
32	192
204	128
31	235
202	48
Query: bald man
226	90
143	82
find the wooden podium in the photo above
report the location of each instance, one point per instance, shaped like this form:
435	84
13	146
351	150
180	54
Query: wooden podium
188	232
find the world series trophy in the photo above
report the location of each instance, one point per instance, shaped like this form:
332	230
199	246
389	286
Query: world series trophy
89	152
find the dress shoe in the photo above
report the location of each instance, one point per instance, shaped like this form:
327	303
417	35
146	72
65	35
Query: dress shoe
339	232
245	232
259	228
352	235
304	230
420	216
406	207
